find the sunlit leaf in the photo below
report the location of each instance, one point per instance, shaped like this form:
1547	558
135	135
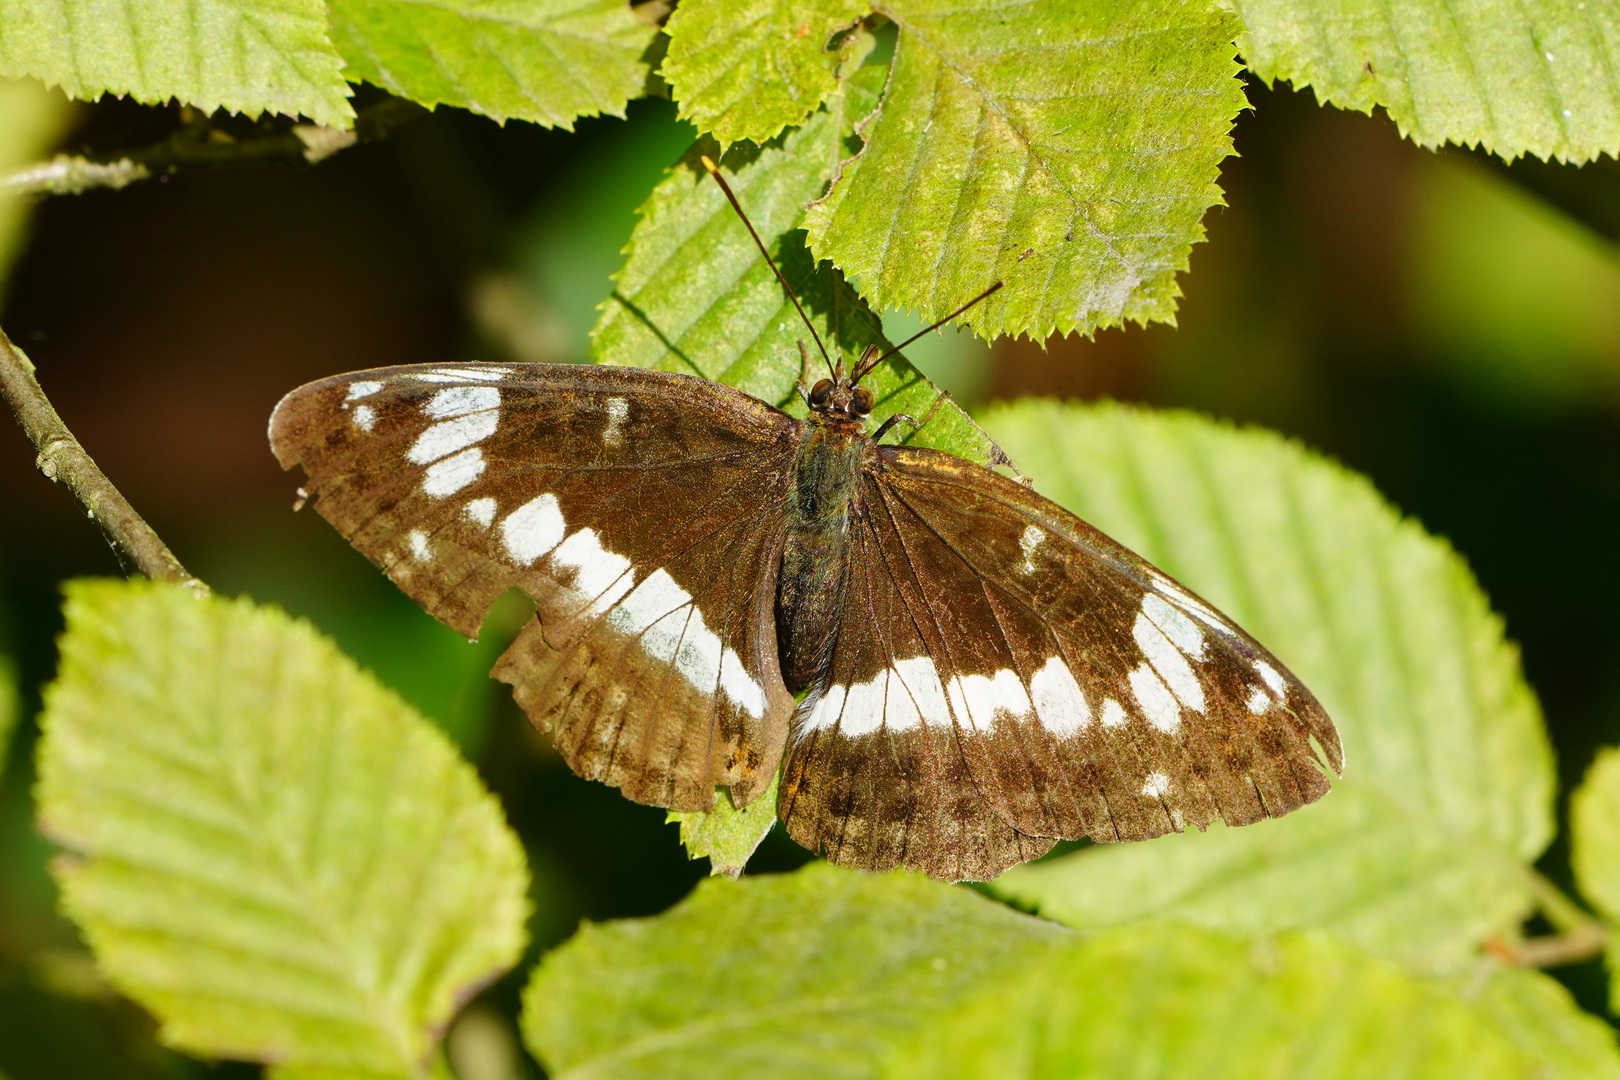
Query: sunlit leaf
1535	1013
836	973
747	70
549	61
249	56
1419	851
1513	77
695	296
1164	1001
1069	150
806	974
269	851
727	835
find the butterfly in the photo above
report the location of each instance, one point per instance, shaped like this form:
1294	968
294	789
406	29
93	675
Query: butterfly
951	671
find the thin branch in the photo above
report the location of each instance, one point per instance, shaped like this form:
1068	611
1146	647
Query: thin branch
201	145
62	458
1554	950
1580	937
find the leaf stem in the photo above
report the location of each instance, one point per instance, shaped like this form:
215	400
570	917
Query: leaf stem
202	145
62	458
1580	936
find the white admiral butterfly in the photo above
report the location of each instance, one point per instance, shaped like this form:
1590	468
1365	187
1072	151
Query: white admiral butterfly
982	673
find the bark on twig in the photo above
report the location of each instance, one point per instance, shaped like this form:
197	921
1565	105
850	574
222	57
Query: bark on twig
61	458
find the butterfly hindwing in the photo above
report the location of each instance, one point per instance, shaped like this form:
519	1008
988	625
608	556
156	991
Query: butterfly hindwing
1087	693
639	510
876	775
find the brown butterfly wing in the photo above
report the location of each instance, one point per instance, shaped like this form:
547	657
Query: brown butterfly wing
1087	693
641	511
866	783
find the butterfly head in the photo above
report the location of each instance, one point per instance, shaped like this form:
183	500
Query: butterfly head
841	398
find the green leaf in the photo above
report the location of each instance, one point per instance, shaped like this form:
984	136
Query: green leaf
695	296
727	835
837	973
549	61
748	70
1419	852
1162	1001
806	974
1069	150
249	56
31	120
1594	834
1515	78
1536	1014
271	852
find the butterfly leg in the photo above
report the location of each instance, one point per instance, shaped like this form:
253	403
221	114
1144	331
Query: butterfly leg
997	455
916	425
803	386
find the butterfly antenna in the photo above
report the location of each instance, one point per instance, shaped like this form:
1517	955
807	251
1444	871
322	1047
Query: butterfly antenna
866	369
714	171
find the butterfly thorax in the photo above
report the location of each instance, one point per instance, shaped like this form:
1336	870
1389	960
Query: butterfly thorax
810	588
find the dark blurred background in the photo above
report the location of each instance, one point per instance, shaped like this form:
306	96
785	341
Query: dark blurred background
1448	325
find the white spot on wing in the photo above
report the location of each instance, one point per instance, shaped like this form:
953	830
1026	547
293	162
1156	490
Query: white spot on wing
1169	663
683	638
450	436
483	374
453	473
462	400
654	598
825	712
919	679
864	706
1272	678
1156	785
898	698
1181	631
1028	543
1259	701
739	686
1059	702
601	577
618	410
979	700
480	512
363	388
419	545
533	529
365	418
1113	714
1155	699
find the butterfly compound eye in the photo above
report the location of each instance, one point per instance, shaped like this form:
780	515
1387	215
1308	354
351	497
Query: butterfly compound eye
820	392
861	400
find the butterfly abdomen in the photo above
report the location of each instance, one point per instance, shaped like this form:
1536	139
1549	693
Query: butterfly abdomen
810	588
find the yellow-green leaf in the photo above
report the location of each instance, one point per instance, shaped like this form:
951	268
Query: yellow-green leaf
1514	76
248	56
268	850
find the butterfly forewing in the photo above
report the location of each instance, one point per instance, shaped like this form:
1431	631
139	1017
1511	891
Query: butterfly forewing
627	504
